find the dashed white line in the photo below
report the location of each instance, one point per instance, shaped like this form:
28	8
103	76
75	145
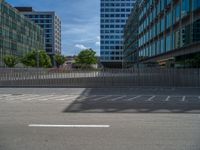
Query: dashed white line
67	97
69	126
132	98
183	98
84	98
168	97
100	98
117	98
151	98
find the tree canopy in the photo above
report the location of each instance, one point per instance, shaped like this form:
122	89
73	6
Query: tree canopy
10	60
194	62
33	58
59	59
86	57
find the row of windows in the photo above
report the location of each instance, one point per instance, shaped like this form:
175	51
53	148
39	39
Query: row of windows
161	4
114	15
110	53
180	10
177	39
17	34
164	23
116	4
16	46
111	42
111	58
111	31
41	21
39	16
116	10
111	37
19	24
117	0
112	47
12	29
16	37
113	21
112	26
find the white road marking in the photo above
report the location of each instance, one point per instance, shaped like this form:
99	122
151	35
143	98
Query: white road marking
17	97
68	126
66	97
81	99
167	99
117	98
100	98
183	98
33	97
151	98
132	98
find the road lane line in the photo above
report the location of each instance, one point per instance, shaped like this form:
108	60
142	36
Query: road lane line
150	99
167	99
183	98
100	98
117	98
135	97
68	126
83	98
64	98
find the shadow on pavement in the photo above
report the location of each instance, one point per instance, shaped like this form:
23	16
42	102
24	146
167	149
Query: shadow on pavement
138	105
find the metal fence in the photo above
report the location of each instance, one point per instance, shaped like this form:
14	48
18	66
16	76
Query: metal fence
172	77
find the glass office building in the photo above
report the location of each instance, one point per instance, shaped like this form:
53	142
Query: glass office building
130	53
50	23
18	35
114	14
168	33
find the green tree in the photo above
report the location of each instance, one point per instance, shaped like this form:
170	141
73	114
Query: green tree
193	62
59	59
10	61
86	58
31	59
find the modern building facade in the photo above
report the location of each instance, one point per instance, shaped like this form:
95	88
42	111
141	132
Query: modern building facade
50	23
18	35
168	33
114	14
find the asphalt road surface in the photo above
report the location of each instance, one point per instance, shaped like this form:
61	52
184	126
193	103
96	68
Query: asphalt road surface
100	119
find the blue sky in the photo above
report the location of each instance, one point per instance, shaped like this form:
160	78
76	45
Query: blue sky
80	21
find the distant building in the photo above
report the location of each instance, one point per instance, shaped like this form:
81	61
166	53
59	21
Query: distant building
50	23
114	14
167	33
18	35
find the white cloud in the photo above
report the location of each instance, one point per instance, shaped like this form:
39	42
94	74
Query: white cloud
97	43
80	46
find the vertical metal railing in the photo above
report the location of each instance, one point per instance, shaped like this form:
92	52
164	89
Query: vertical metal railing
169	77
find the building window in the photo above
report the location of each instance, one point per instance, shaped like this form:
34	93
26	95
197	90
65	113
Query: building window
177	39
196	31
168	43
185	8
162	46
195	4
177	13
